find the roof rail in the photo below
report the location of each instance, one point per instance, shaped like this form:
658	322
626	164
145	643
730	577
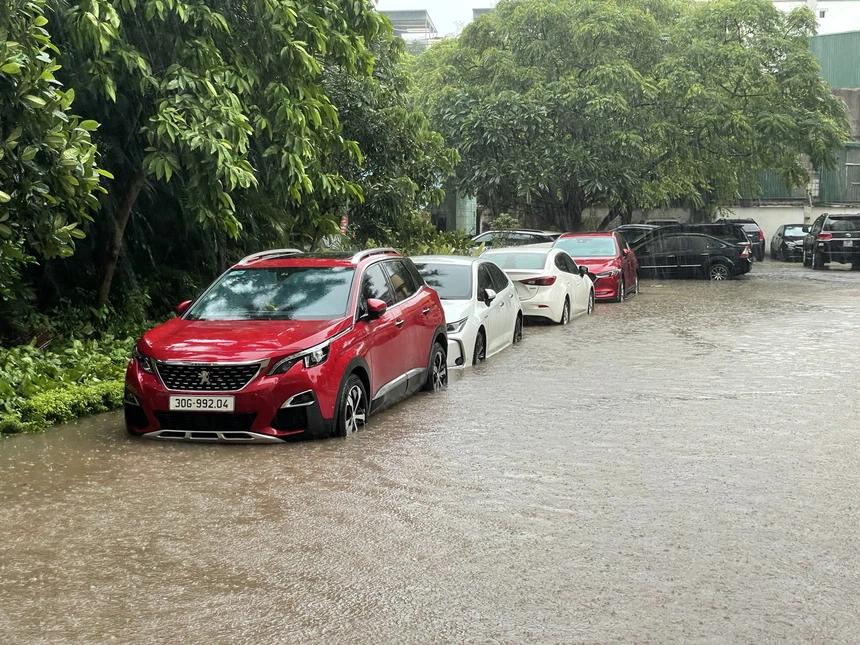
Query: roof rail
273	253
363	255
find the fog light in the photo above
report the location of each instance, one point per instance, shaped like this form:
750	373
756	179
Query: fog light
130	398
304	398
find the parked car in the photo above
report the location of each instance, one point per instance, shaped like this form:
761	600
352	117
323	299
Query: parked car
726	231
548	282
608	258
662	222
635	232
754	233
518	237
833	238
787	243
284	344
676	255
482	308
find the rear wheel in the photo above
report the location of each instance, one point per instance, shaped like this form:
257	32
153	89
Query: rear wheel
590	309
817	260
636	285
518	329
807	261
437	377
565	312
480	353
353	408
719	271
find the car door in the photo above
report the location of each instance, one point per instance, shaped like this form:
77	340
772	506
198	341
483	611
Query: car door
507	294
492	314
809	240
415	337
385	337
628	262
581	286
691	253
666	256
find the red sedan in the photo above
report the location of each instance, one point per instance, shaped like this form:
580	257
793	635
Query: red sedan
609	259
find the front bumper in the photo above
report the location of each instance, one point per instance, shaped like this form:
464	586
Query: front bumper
259	414
607	287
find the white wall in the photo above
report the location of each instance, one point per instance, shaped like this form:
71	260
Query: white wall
771	217
839	15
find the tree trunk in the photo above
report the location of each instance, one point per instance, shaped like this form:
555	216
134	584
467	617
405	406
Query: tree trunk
123	214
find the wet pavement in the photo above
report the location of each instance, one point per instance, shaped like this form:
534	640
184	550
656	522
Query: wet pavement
683	467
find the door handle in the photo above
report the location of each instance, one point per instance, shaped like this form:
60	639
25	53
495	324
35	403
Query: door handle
511	294
399	323
426	310
501	304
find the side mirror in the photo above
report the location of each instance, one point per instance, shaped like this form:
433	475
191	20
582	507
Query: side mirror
583	271
489	296
182	307
625	252
375	308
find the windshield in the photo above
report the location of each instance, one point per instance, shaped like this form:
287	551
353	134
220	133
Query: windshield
513	260
451	281
750	228
588	247
843	224
286	293
795	231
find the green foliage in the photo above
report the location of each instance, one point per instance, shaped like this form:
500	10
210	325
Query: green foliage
505	221
558	105
48	170
63	405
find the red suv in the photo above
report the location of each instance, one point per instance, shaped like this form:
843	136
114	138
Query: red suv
285	344
608	258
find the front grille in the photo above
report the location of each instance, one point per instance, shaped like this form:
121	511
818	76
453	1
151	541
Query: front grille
207	378
205	421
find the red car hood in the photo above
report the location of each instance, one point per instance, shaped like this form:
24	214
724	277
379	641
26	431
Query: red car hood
598	265
236	340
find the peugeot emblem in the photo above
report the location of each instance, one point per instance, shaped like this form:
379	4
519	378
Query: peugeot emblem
203	377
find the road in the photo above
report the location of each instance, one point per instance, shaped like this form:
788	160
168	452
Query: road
683	467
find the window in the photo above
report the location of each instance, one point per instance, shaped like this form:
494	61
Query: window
515	260
694	243
822	13
451	281
842	224
559	262
413	271
571	264
374	284
500	280
485	280
670	244
588	246
401	279
286	293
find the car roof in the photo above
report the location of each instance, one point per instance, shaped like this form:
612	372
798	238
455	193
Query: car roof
589	234
518	230
843	215
526	248
445	259
276	258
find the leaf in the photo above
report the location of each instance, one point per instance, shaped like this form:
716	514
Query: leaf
89	125
35	101
5	197
10	68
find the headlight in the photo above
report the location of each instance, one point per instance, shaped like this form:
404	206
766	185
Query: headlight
310	357
609	274
790	244
144	361
456	327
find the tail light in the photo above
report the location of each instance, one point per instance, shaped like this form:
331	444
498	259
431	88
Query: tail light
760	235
745	250
824	237
543	281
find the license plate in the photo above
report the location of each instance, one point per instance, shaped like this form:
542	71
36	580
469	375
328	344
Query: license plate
202	403
849	242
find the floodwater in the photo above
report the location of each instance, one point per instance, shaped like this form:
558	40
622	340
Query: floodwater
683	467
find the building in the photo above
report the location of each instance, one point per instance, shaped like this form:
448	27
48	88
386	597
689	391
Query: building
834	16
413	26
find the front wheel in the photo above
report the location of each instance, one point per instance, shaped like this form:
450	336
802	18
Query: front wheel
480	352
719	271
353	408
619	297
437	377
807	261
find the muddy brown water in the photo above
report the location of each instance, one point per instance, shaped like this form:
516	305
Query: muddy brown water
683	467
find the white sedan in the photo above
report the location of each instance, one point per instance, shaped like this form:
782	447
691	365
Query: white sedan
482	308
548	282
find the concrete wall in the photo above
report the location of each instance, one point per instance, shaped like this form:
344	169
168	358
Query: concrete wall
771	217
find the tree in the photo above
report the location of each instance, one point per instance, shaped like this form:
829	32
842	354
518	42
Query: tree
559	105
216	109
48	168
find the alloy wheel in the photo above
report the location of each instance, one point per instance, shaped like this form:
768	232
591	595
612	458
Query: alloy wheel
565	313
622	292
518	329
719	272
480	353
355	410
440	371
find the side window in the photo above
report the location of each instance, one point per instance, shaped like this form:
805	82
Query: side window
413	271
401	279
819	223
560	264
670	244
571	265
694	243
485	281
500	280
374	284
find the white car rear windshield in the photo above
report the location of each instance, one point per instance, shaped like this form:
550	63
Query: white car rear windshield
451	281
514	260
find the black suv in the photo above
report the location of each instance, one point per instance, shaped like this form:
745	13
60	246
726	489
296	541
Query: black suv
833	238
673	254
726	231
754	234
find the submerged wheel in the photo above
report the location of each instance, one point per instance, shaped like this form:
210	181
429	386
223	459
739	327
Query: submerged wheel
353	409
437	376
807	261
718	271
817	260
622	294
518	329
480	353
590	309
565	312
